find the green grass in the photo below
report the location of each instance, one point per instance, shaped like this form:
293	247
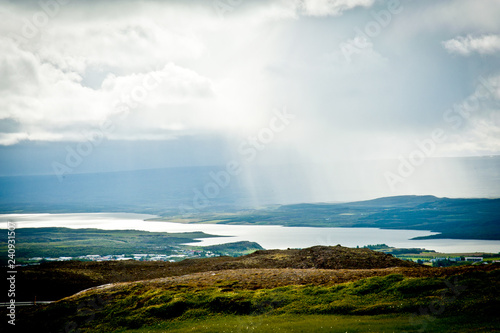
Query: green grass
386	302
492	258
320	323
57	242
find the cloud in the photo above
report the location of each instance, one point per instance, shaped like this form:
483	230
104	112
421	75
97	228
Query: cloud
475	121
332	7
195	73
486	44
359	50
121	44
77	73
48	102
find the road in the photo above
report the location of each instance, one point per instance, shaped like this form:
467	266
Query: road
6	304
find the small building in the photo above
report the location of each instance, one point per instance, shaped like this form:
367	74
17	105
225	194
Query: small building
437	259
474	259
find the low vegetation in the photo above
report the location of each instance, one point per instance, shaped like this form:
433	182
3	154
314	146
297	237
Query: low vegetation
325	289
392	299
321	323
51	281
239	248
66	242
451	218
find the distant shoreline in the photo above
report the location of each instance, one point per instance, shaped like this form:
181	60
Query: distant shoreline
269	236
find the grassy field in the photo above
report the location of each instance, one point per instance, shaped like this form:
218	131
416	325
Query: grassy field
469	302
55	242
66	242
321	323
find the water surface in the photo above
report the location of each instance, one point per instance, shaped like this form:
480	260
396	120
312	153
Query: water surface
268	236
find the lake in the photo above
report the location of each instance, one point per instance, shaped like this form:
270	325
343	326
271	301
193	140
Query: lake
268	236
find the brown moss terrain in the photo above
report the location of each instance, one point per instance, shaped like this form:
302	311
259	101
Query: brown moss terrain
53	281
325	257
319	265
469	292
315	281
267	278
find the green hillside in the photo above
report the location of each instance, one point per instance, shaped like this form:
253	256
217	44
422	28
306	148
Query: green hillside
325	289
391	302
452	218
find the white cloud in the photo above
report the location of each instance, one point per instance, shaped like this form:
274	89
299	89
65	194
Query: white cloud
476	120
44	82
486	44
50	103
332	7
126	45
223	76
172	84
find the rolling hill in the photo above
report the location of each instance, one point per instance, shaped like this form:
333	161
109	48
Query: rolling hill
451	218
50	281
325	289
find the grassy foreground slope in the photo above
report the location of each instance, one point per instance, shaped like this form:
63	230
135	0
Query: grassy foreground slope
322	323
276	297
393	301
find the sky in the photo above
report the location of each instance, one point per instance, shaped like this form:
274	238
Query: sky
92	86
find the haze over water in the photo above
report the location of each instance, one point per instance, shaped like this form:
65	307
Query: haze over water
169	190
269	236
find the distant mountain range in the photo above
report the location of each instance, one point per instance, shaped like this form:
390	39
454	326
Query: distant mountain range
183	194
452	218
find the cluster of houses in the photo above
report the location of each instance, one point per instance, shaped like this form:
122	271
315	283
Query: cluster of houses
181	254
452	261
456	259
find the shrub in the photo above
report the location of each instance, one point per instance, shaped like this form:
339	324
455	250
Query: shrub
169	310
375	284
196	314
412	287
230	304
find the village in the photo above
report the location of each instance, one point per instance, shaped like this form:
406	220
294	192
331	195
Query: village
179	255
182	254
